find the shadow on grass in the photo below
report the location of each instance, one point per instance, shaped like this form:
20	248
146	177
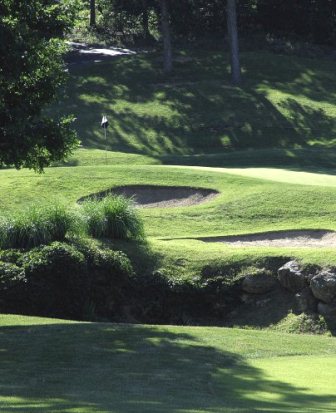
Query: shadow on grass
196	113
105	367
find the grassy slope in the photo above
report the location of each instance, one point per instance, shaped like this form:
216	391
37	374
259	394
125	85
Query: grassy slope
238	209
52	365
285	103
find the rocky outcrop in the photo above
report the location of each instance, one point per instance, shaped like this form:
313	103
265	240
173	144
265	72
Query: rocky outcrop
305	301
291	277
327	310
310	289
258	283
323	286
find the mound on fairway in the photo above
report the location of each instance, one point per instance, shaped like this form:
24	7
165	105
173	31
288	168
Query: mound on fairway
303	238
151	196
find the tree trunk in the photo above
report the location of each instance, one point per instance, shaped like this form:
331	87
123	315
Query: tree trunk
92	13
233	39
145	25
167	47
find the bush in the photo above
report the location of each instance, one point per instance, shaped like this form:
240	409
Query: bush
110	281
36	226
113	217
12	256
111	261
12	288
57	280
10	275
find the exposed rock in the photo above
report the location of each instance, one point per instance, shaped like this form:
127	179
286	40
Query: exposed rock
291	277
305	301
258	283
248	298
323	286
327	310
263	303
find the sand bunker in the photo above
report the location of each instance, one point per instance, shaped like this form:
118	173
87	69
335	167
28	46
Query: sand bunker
306	238
151	196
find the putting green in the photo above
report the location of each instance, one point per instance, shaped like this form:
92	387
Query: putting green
272	174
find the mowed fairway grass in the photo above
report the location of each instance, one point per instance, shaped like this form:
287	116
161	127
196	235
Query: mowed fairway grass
60	366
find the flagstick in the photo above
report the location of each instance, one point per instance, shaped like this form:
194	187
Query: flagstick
104	124
105	129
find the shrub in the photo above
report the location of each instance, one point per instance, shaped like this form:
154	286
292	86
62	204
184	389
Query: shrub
10	275
115	262
37	225
110	280
12	288
12	256
57	280
113	217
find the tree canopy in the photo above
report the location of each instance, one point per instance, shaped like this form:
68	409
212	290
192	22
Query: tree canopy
31	72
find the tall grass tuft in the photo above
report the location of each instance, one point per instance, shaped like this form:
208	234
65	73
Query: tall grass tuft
37	225
113	217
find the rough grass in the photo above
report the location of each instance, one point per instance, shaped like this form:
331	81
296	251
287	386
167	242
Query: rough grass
92	157
88	367
37	224
113	217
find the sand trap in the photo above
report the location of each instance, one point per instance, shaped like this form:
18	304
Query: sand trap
150	196
306	238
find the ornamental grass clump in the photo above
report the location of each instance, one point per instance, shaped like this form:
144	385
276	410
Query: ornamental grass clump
37	225
113	217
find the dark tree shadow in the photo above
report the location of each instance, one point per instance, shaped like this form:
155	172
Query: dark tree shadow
106	367
209	121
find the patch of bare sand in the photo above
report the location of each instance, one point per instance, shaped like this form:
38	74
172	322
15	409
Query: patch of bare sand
293	238
151	196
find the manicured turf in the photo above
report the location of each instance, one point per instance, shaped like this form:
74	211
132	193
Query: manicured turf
244	205
56	366
276	175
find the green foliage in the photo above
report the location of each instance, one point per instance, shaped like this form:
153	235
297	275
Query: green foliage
113	217
110	261
76	280
312	20
11	256
37	225
57	280
302	323
110	279
32	70
10	275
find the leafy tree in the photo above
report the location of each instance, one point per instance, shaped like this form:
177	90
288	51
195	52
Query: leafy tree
31	72
125	15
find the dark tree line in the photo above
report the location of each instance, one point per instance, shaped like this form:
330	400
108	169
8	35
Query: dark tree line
168	14
311	20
